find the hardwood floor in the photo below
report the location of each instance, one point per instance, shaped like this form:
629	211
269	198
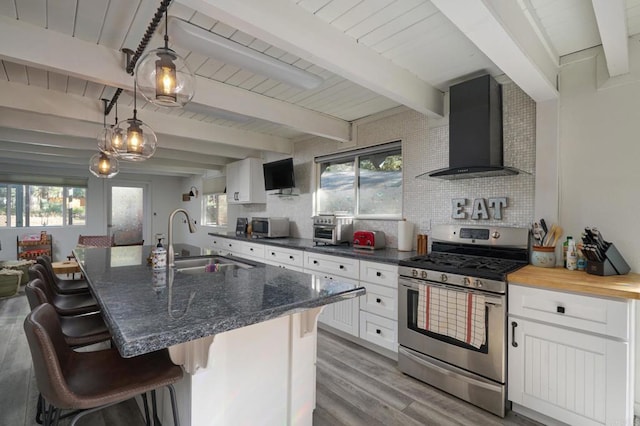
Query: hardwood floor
354	387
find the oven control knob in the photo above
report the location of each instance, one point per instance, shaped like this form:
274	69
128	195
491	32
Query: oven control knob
423	275
414	273
478	283
467	281
444	278
495	235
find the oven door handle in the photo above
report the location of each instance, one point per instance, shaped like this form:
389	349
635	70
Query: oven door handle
415	285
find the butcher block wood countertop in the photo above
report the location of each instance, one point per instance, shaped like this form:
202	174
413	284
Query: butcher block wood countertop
624	286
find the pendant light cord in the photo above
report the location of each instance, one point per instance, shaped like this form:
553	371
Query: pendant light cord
131	62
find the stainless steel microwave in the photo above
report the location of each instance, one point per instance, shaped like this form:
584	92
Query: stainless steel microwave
270	227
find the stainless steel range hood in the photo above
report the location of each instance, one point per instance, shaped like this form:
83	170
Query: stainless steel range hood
475	132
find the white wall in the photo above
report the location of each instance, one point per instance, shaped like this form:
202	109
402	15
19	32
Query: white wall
600	151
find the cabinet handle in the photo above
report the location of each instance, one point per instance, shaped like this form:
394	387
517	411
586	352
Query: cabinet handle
513	334
560	309
251	249
291	257
230	245
378	274
273	253
315	262
378	300
378	331
341	266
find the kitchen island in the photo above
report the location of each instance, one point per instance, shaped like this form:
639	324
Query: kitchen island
246	337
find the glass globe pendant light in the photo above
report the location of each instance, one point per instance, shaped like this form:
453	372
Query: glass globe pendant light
138	140
164	77
117	136
103	164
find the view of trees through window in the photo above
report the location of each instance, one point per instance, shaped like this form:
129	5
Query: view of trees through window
41	205
215	210
373	188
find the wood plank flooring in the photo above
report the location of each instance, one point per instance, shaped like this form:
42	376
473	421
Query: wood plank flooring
354	387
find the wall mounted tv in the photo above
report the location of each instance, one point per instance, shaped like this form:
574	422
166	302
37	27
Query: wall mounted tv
279	174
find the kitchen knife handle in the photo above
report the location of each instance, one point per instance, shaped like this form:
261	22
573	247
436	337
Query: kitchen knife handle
513	334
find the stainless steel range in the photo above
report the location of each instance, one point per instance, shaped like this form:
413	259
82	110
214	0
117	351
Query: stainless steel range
452	309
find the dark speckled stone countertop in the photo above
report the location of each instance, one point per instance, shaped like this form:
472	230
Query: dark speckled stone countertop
386	255
148	310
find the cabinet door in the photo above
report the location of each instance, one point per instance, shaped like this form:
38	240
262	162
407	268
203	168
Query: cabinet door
574	377
342	316
245	182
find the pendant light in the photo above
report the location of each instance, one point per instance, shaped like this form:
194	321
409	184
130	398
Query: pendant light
103	164
164	77
139	140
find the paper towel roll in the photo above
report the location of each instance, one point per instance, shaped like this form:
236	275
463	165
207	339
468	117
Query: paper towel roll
405	235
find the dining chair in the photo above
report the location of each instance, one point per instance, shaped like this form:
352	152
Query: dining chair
90	381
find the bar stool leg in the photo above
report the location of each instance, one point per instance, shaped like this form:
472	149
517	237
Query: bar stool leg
146	409
156	419
174	405
39	410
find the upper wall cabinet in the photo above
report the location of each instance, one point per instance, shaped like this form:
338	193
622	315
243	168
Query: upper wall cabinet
245	182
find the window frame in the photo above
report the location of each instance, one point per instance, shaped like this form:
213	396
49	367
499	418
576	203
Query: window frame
354	157
203	210
26	190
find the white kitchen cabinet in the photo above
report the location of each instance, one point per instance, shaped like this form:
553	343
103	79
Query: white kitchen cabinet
570	357
245	182
335	265
379	306
245	249
343	315
284	257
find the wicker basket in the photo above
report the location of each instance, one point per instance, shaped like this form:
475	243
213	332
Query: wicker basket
9	282
18	265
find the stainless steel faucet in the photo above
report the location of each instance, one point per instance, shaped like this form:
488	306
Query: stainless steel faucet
192	229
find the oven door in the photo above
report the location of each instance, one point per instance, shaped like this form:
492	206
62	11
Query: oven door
488	361
324	234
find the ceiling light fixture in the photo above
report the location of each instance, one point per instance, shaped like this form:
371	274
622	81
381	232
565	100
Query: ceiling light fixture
117	136
139	140
103	164
199	40
164	77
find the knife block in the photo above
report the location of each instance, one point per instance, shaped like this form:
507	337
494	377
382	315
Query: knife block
614	264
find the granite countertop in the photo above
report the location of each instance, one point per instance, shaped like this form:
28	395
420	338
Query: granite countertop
148	310
624	286
386	255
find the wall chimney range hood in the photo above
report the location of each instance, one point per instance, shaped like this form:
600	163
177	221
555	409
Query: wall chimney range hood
475	132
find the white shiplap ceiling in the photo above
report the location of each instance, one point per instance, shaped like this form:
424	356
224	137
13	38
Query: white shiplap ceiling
59	58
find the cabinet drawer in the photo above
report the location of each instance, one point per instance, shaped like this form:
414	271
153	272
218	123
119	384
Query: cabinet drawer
601	315
380	300
250	250
220	244
284	256
379	273
336	265
379	331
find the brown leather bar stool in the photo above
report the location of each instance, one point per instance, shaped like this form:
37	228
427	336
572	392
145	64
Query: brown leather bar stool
90	381
79	330
64	304
62	286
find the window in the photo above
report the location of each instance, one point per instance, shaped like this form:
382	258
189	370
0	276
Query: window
364	183
214	210
24	206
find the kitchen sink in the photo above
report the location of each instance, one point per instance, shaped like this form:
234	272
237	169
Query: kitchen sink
202	265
